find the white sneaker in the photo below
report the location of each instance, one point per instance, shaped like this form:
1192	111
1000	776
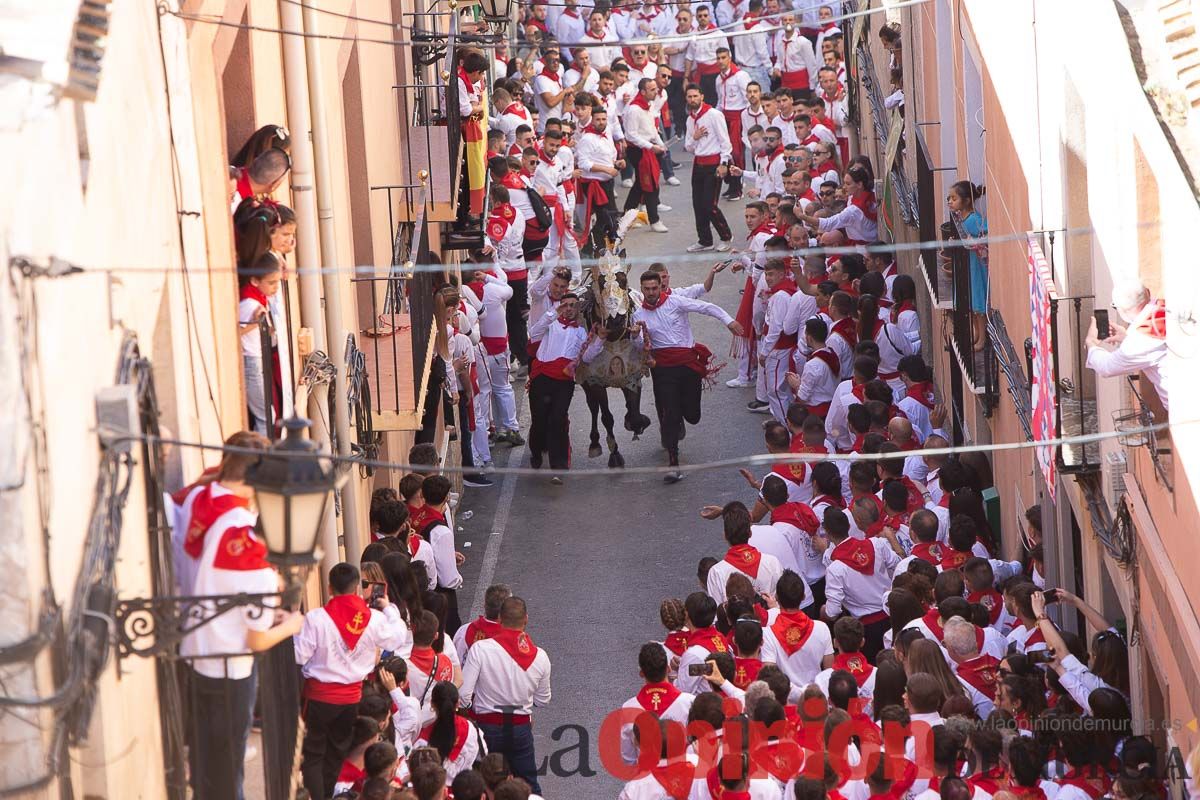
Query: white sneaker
672	181
658	227
738	383
628	182
699	248
663	207
723	247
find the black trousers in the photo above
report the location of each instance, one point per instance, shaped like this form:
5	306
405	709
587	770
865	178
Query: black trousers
708	87
463	429
219	726
677	103
873	641
549	428
518	332
328	731
605	224
706	187
453	618
818	597
676	399
634	156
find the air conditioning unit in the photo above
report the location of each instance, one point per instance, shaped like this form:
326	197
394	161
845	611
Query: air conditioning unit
118	421
1115	467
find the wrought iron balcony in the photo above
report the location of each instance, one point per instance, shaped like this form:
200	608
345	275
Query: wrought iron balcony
906	197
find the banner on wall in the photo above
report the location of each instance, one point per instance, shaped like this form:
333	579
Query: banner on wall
1042	384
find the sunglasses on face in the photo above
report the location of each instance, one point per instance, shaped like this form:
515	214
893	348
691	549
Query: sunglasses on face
827	192
369	584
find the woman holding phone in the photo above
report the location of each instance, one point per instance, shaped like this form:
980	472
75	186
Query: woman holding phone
1108	667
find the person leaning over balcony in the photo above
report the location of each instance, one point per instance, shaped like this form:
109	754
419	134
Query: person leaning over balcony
227	558
337	648
1140	347
261	178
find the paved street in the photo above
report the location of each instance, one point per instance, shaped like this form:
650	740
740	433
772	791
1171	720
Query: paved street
593	558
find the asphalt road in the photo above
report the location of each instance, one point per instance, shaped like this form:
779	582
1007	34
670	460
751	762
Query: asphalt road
594	558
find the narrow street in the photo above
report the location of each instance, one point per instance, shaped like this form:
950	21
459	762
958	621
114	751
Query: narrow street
595	557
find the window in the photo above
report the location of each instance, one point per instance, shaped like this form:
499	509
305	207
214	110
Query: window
973	117
944	42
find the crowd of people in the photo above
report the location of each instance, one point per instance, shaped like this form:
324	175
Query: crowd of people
854	599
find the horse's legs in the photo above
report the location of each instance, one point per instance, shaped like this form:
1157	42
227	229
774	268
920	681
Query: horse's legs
635	420
615	459
593	395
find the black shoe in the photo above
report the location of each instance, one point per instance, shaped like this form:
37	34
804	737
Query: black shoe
672	478
733	197
757	405
478	481
535	460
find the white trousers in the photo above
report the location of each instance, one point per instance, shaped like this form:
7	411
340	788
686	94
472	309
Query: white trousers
563	248
774	375
499	389
483	412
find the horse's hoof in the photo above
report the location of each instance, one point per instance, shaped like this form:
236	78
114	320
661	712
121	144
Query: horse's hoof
616	460
612	444
595	451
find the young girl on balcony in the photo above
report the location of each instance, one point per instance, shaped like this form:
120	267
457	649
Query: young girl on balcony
259	282
961	201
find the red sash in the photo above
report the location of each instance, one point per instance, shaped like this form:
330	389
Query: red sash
858	554
709	638
350	616
744	558
990	599
559	369
518	645
657	697
798	514
856	664
982	672
697	358
745	671
792	629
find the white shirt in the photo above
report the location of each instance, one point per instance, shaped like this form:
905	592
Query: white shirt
647	787
795	54
804	664
731	89
473	749
509	255
769	570
811	563
754	49
322	652
639	125
543	84
760	789
858	227
510	119
773	540
817	383
251	339
557	340
677	711
702	49
493	680
602	56
568	29
594	149
227	566
442	540
848	589
768	174
496	292
589	85
715	142
406	719
1138	352
668	326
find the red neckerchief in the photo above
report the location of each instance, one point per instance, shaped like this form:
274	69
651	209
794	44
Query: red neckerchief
413	543
675	778
859	442
571	13
792	629
437	667
589	128
744	558
837	501
733	70
923	393
350	616
1155	325
982	672
465	78
249	291
875	529
787	286
700	112
790	472
900	308
640	101
677	642
945	501
798	514
865	201
599	37
1026	792
480	629
990	599
552	75
916	499
858	554
512	181
545	159
750	20
831	360
1091	780
657	697
934	623
477	288
856	664
516	108
568	323
844	327
518	645
662	298
206	509
989	780
895	519
763	227
539	24
709	638
859	390
774	154
244	188
429	515
832	98
954	559
745	671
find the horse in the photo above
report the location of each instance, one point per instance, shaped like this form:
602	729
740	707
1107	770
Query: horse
606	305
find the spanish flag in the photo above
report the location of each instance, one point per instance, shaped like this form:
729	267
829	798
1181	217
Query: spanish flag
474	133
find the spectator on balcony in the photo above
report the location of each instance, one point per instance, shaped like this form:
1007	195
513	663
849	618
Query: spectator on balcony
961	201
472	69
260	179
262	140
1140	347
259	283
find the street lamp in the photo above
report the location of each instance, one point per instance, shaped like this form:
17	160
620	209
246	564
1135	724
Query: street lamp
496	10
292	489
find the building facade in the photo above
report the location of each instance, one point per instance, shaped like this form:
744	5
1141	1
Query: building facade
1081	122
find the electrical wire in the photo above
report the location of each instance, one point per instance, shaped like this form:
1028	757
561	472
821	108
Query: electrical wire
767	459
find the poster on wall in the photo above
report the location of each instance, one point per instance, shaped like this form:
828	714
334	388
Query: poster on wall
1042	385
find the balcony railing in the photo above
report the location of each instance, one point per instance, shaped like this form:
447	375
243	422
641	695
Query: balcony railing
1070	317
906	198
978	364
1015	367
1147	412
397	347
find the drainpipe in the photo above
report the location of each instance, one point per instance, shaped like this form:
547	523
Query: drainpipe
308	253
335	332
